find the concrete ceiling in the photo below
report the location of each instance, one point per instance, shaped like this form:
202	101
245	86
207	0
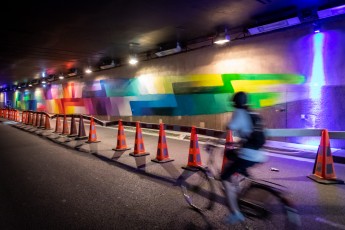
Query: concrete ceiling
55	36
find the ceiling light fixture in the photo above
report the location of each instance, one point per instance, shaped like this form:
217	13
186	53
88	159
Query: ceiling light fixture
316	27
222	38
133	60
88	70
61	76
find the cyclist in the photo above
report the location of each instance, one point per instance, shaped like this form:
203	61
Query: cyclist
239	159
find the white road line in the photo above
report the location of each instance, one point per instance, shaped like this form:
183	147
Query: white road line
333	224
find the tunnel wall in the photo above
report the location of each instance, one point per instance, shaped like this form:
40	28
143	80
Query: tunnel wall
294	78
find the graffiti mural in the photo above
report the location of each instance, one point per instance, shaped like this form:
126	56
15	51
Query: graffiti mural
154	95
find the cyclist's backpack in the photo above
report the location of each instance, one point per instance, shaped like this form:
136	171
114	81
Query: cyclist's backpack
257	138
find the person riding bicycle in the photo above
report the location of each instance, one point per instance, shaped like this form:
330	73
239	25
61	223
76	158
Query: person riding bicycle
240	159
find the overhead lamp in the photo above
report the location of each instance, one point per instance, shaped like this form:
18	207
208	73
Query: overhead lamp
222	38
133	60
88	70
61	76
316	27
43	81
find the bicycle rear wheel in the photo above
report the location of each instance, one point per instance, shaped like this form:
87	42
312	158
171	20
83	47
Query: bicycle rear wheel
266	208
198	190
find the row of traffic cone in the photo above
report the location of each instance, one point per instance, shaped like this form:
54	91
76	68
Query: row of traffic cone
139	148
323	171
80	134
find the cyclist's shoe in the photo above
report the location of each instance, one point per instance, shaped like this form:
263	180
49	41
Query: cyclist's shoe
234	218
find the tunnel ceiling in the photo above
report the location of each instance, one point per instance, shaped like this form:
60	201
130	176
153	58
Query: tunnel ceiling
59	36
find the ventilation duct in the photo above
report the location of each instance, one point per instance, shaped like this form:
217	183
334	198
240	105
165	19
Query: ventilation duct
331	12
50	78
35	82
175	50
274	26
108	66
72	73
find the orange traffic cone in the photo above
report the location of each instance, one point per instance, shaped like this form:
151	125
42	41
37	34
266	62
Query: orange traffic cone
41	121
81	130
139	149
37	119
162	148
47	123
58	128
34	119
194	158
228	139
92	133
121	138
31	117
65	130
73	131
323	171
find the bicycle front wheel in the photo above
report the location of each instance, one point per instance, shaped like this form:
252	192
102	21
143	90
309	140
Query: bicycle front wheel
198	190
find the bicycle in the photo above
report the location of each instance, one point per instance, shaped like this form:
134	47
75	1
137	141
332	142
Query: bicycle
263	202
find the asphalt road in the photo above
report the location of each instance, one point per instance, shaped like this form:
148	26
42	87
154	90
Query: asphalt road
45	185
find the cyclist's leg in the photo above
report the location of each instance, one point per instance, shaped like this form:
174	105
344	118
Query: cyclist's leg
231	191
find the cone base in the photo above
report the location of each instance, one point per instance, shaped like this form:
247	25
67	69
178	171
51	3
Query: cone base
192	168
92	142
139	154
72	135
122	149
162	161
325	181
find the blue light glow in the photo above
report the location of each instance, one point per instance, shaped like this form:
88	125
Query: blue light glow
317	79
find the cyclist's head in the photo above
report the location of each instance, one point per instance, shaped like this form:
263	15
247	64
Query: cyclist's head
239	100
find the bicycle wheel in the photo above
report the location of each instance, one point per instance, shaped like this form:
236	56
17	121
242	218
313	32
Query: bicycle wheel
267	209
198	190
